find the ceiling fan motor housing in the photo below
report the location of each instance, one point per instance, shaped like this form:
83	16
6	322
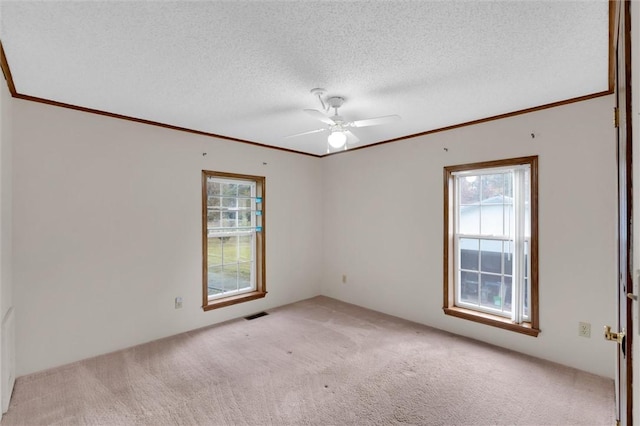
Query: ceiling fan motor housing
335	101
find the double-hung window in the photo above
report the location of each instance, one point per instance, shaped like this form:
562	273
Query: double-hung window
233	238
491	257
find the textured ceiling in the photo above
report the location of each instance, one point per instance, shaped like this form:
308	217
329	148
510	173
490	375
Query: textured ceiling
244	69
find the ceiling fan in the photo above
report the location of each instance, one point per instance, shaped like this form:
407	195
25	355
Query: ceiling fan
339	133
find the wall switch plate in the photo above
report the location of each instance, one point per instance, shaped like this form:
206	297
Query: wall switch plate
584	329
178	302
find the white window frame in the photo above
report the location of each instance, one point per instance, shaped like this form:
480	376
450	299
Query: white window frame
516	238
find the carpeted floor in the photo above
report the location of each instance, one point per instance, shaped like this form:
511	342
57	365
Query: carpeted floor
320	362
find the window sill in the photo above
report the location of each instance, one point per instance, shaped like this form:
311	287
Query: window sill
492	320
233	300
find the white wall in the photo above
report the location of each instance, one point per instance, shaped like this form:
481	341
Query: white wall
5	201
383	211
7	342
107	231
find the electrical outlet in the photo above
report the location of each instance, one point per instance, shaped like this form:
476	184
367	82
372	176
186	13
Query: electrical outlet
178	302
344	278
584	329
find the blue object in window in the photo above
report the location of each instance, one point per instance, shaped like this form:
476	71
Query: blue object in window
258	228
258	212
258	199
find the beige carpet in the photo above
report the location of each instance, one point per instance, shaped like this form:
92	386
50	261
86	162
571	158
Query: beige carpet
320	362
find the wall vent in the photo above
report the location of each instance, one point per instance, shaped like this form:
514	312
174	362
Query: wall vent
254	316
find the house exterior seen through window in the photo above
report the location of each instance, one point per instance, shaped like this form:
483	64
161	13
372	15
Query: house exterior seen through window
491	243
233	238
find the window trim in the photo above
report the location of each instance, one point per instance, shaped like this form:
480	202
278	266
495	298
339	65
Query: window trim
260	244
531	327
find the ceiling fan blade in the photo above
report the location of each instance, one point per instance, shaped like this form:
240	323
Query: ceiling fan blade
351	138
305	133
319	116
375	121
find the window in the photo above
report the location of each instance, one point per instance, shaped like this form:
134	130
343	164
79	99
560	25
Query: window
232	239
491	243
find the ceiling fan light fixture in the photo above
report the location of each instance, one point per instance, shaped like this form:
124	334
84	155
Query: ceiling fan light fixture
337	139
339	129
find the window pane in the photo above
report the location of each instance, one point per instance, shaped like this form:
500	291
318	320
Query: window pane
229	189
469	220
244	275
214	251
230	277
229	202
469	189
244	218
213	218
230	249
469	249
506	302
215	280
244	203
492	188
491	219
244	190
229	219
213	187
491	256
245	243
490	294
469	289
507	212
508	186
